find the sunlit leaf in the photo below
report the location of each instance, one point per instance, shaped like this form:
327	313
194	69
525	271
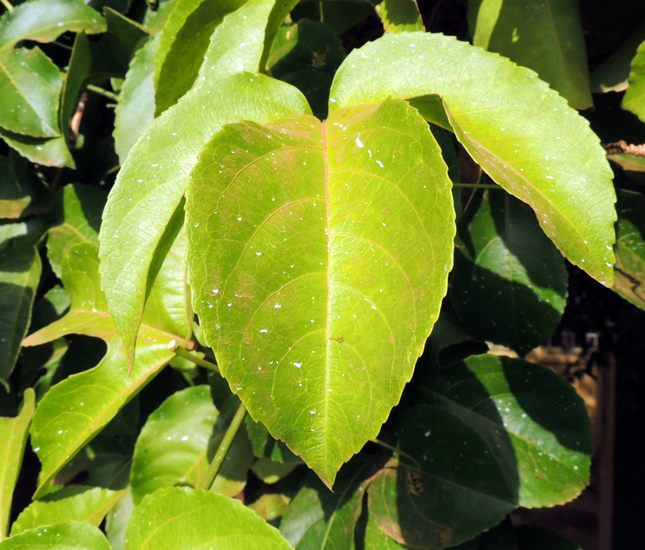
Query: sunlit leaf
74	534
299	342
76	503
524	136
13	434
193	519
46	151
400	16
117	521
544	35
510	282
634	99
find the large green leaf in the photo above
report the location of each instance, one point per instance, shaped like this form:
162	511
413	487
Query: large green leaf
629	277
20	268
318	292
45	20
452	488
155	177
13	434
510	282
634	99
193	519
320	519
76	503
184	41
74	535
533	421
400	16
78	211
136	108
75	410
172	447
31	86
524	135
544	35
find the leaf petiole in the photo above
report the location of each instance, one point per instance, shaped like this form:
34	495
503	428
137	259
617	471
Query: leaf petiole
395	450
101	91
224	447
7	4
476	185
198	361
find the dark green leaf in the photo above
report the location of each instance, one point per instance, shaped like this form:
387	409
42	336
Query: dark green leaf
400	16
193	519
298	342
613	74
13	434
524	135
21	192
450	342
510	282
544	35
272	471
634	99
66	536
78	210
338	15
76	503
533	421
31	86
270	506
533	537
136	108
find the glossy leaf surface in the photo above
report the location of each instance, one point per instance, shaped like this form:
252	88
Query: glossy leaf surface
136	108
129	236
544	35
173	445
629	277
74	534
13	434
194	519
76	503
352	235
454	489
532	420
31	85
400	16
634	99
523	135
510	282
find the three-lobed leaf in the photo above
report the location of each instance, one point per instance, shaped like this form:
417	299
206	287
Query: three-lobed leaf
318	259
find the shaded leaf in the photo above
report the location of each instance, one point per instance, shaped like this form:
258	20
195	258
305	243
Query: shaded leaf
629	275
13	434
136	108
510	282
613	74
545	35
117	521
129	236
233	473
21	192
264	446
46	151
524	135
270	506
298	342
272	471
339	15
450	342
76	503
185	518
45	20
74	534
534	537
532	420
454	489
182	47
634	99
31	86
78	211
400	16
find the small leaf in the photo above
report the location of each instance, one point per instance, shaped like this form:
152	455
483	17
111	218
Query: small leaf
49	152
525	136
45	20
452	491
13	434
127	250
136	108
31	86
533	421
400	16
76	503
20	268
78	211
182	46
545	36
534	537
271	471
192	519
270	506
510	282
298	342
65	536
629	274
634	99
172	446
